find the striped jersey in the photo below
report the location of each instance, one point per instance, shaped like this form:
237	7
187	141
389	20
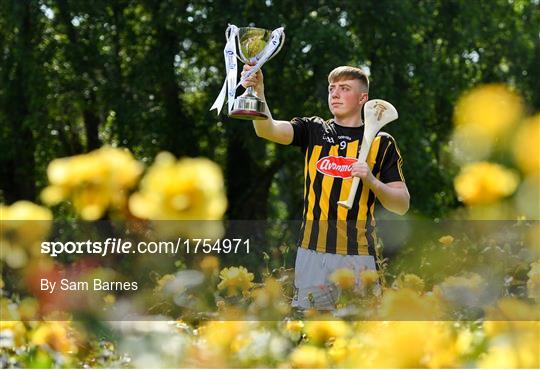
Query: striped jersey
329	152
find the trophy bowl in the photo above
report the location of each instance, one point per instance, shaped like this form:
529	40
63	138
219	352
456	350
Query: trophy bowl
251	44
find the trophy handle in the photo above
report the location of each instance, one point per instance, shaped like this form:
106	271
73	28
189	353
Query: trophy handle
281	42
228	32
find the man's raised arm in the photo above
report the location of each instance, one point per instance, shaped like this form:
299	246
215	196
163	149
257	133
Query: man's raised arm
280	132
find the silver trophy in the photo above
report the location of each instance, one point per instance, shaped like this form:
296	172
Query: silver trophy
254	46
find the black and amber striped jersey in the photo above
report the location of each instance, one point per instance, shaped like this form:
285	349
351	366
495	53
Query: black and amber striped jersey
330	150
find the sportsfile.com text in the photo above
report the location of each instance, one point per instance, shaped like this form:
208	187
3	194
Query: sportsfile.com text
120	246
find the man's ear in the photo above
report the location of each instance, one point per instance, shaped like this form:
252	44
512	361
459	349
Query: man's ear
364	99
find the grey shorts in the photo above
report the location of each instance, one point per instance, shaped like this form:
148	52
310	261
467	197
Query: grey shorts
312	270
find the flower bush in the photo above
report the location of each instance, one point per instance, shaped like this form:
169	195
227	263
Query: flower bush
464	299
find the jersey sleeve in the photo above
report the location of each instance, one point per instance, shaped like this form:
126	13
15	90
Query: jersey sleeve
301	132
391	165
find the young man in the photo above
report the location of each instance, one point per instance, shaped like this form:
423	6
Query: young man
333	237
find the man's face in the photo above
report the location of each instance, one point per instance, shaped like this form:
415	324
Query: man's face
345	97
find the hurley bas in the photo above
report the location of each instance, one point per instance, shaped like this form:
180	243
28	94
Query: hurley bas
94	284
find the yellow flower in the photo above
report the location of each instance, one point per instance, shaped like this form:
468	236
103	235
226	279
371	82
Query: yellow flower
12	333
29	222
56	335
511	316
518	351
533	284
124	170
306	357
220	335
491	108
484	182
94	181
235	280
406	304
343	278
338	351
369	277
320	332
482	117
294	326
269	298
527	145
446	240
187	189
24	224
464	341
24	210
209	264
91	201
405	344
190	189
513	309
410	281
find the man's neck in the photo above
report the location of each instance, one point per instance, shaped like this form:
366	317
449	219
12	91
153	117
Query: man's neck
355	121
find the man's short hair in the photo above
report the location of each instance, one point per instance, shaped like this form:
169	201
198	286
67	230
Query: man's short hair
349	73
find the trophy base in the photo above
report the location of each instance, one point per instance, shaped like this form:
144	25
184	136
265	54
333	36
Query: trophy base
249	108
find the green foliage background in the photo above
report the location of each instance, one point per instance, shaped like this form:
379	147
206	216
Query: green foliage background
141	74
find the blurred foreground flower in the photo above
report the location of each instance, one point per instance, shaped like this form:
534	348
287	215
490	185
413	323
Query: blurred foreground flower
492	108
24	224
219	343
187	189
369	277
269	299
321	332
309	357
343	278
12	332
405	344
93	182
294	326
511	315
407	304
482	118
55	334
410	281
484	182
513	328
209	265
235	280
518	353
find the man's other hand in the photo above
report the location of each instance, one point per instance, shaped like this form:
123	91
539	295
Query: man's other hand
362	170
256	80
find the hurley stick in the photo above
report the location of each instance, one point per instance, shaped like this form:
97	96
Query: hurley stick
377	113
